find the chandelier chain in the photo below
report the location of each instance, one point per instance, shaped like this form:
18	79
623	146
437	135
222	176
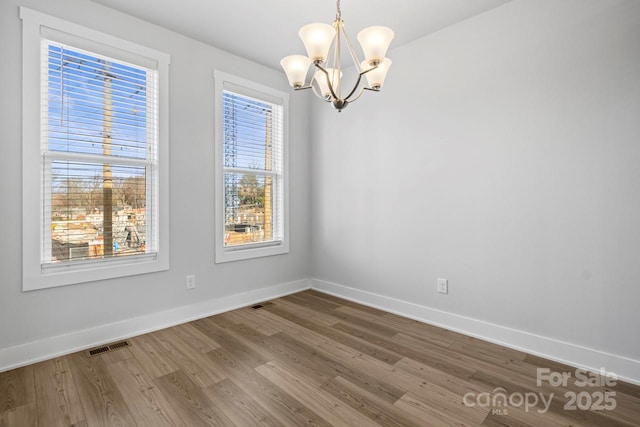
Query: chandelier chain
338	10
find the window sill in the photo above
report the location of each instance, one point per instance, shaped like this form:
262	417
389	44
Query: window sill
61	275
250	251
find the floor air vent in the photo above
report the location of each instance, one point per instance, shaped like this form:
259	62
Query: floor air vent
107	348
98	350
263	304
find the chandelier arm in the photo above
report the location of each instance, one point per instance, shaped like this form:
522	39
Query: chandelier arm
352	51
315	92
331	53
362	73
358	83
354	87
326	74
359	94
339	31
370	69
314	88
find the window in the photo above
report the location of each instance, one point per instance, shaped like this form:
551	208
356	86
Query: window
94	155
251	172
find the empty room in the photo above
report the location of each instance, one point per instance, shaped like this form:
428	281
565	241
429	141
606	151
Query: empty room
320	212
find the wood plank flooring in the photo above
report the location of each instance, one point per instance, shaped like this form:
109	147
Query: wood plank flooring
306	359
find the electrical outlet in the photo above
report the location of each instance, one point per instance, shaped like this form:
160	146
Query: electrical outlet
191	281
443	286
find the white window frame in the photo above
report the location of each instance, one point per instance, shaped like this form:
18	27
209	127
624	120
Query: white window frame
36	276
225	81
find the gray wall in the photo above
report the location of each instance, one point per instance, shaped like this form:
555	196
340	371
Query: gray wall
26	317
504	155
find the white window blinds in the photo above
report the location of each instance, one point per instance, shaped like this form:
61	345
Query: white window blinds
253	170
99	136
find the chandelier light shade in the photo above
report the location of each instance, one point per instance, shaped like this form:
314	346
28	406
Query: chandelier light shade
317	39
375	41
296	67
376	77
325	44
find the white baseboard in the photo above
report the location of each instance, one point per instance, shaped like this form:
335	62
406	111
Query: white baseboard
32	352
626	369
578	356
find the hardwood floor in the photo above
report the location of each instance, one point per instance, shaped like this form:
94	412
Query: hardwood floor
306	359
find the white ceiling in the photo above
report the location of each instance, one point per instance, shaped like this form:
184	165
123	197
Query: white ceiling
266	30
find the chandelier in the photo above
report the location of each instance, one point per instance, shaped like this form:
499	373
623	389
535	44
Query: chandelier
324	45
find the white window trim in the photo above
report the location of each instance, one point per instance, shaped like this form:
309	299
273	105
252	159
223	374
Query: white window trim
34	276
226	254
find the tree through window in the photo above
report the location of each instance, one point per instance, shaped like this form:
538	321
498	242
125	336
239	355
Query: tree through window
95	149
252	170
251	176
99	154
